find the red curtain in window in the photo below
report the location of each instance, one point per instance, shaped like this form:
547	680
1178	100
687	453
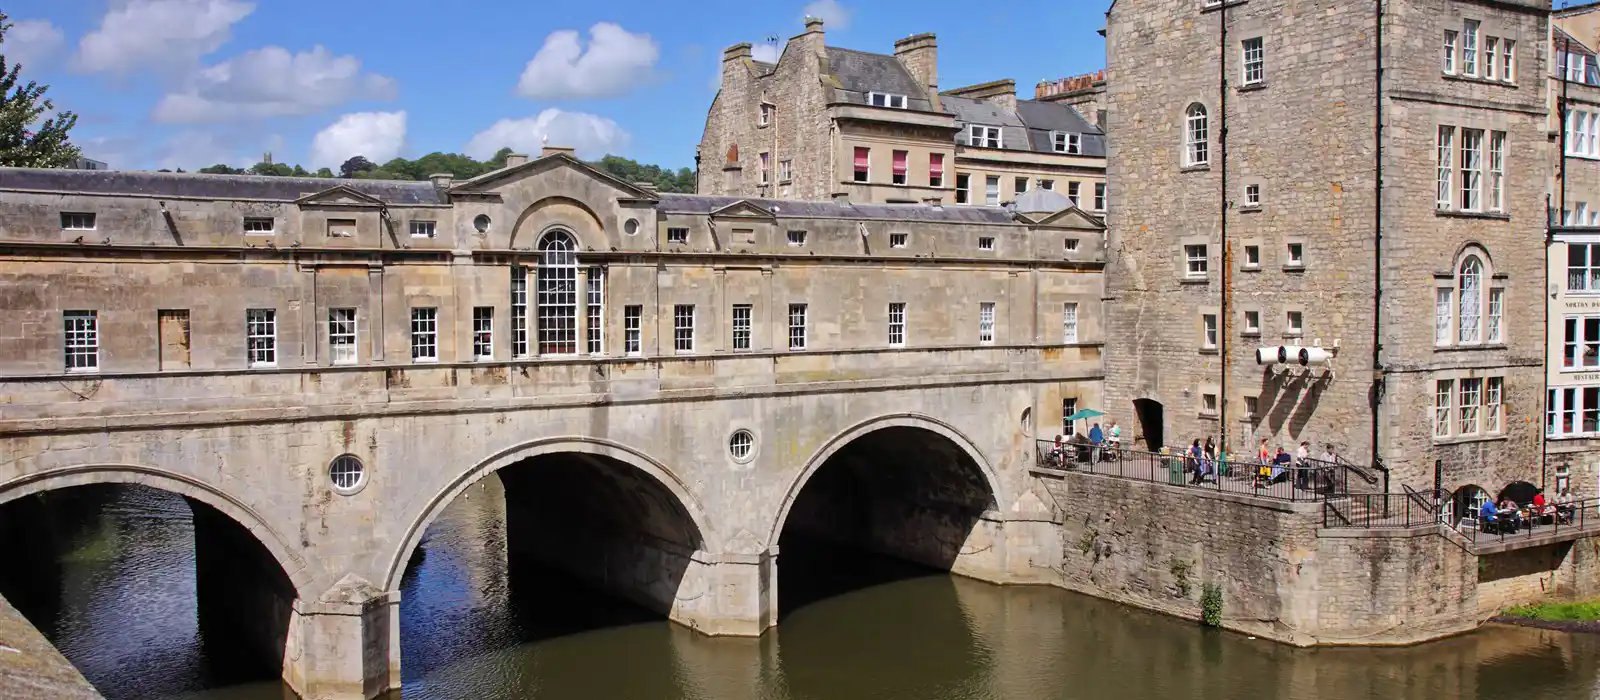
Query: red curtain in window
899	162
936	164
861	158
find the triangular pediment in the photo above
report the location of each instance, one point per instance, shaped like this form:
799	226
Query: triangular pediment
742	209
340	196
490	181
1070	217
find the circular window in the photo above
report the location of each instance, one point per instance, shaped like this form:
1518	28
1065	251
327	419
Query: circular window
481	223
631	226
741	445
347	474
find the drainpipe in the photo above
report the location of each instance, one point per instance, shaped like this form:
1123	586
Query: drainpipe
1549	240
1222	315
1377	235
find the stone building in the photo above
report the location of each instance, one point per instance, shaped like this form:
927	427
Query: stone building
1276	189
826	121
667	385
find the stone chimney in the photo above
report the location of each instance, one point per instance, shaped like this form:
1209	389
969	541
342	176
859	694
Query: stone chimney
442	181
515	159
998	92
553	150
920	55
648	187
734	59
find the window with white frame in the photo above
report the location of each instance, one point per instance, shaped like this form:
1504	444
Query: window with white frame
261	337
1572	412
765	117
1072	192
77	221
1068	407
1461	167
983	136
519	311
81	340
1252	195
742	314
1450	52
1252	322
1197	147
1469	48
785	170
1493	327
1295	255
1469	281
1019	186
986	243
595	313
1208	331
677	235
1446	189
482	333
1195	261
1069	322
1493	388
899	167
986	322
1583	133
683	328
1443	406
1469	395
1472	406
1471	169
1255	60
881	99
797	237
557	281
1508	60
899	240
1443	305
1577	67
632	329
935	169
963	188
861	166
423	229
1497	171
1294	323
1066	142
1583	267
897	324
764	173
1099	196
342	336
258	226
797	326
425	334
991	190
1252	257
1580	343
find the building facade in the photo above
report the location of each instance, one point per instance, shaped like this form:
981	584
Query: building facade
1277	190
826	121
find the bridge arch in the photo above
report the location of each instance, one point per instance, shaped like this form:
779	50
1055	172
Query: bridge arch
288	559
643	463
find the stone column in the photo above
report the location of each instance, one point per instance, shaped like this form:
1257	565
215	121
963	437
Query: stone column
733	595
346	644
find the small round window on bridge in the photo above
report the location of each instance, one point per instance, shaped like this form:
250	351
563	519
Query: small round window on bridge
348	474
631	226
481	223
742	446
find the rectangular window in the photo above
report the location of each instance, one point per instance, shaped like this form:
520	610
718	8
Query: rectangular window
1492	388
1591	410
897	324
1208	404
425	335
764	174
1019	185
983	136
898	165
991	190
683	328
1251	404
1049	185
1099	196
1581	343
595	333
741	326
765	117
1252	257
863	164
963	188
483	333
1066	142
1295	256
1252	195
1569	411
341	228
1497	298
1467	406
342	336
785	170
81	340
1446	166
1068	407
261	337
1449	52
1471	168
678	236
1443	301
1252	323
1255	61
519	311
936	170
1583	267
986	322
797	238
1497	170
986	243
1491	56
1469	48
1208	330
1195	260
797	326
1508	61
632	323
898	240
1073	189
258	226
892	101
1069	322
1294	323
77	221
1444	390
422	229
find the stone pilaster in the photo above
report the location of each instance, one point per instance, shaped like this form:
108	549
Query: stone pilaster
346	644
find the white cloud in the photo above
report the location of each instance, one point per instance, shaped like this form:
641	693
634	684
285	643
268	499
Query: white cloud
832	14
766	52
271	82
159	33
32	42
376	135
616	61
591	135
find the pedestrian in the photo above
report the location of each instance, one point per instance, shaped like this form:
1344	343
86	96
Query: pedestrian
1097	437
1196	462
1302	463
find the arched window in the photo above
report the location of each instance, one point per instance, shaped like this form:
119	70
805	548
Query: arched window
1469	306
1469	290
558	294
1197	147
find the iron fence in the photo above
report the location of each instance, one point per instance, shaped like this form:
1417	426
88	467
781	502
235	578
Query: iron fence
1302	480
1380	510
1528	521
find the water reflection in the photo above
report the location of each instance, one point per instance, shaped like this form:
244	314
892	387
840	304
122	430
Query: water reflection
474	627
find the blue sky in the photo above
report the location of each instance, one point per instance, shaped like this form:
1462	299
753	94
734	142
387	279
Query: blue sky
188	83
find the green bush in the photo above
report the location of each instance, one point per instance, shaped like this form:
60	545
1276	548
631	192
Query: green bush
1211	605
1586	611
1180	574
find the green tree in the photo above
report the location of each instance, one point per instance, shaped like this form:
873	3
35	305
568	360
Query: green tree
273	169
220	169
632	171
356	164
324	172
21	106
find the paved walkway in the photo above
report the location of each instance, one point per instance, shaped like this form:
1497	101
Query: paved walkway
31	668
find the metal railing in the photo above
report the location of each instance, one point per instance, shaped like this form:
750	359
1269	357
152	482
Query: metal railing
1369	511
1310	480
1531	522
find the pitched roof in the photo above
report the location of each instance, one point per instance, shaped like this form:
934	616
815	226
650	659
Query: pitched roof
706	204
203	186
859	73
1569	43
1045	117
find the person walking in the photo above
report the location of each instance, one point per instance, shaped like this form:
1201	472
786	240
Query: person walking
1196	460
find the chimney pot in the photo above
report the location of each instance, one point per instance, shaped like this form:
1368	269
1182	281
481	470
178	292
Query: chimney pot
736	52
515	159
813	24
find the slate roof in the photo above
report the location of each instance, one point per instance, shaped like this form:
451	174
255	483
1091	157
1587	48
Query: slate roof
705	204
859	73
202	186
1045	117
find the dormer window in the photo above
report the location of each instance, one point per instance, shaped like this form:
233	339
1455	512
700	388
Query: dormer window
1066	142
884	99
983	136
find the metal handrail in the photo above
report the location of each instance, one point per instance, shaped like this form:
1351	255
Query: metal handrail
1376	511
1312	480
1551	519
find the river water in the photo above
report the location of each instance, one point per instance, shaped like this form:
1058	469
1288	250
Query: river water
474	629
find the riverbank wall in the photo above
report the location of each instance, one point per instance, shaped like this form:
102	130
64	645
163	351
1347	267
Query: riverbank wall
31	668
1281	574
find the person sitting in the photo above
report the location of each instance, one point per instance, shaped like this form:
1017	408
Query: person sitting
1488	517
1058	452
1539	510
1280	467
1508	512
1080	446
